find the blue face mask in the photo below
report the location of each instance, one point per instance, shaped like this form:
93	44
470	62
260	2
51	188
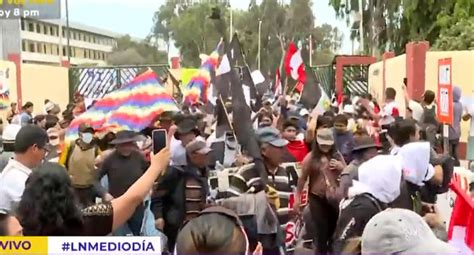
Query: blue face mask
87	138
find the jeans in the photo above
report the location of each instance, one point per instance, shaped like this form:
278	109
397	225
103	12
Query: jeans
325	219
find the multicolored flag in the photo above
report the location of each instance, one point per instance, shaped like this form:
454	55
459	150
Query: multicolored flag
196	90
133	107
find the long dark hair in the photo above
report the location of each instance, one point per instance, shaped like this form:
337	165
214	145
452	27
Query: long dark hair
3	224
211	234
48	206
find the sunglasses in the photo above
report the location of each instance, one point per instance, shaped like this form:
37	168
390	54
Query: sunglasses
225	212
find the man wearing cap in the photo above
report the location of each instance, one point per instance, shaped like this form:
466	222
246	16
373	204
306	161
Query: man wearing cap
31	146
8	137
79	158
124	167
181	193
282	180
186	131
364	149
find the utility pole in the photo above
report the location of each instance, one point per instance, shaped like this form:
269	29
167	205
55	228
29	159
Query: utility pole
361	26
310	50
259	41
68	35
231	23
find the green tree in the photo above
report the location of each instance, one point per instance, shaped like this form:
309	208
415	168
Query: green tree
129	52
391	24
194	33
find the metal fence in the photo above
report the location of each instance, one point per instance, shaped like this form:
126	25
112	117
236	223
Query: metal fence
96	82
355	78
325	75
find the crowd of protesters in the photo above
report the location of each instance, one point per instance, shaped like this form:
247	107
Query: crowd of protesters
370	175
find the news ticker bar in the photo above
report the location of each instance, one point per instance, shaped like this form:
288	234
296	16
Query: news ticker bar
80	245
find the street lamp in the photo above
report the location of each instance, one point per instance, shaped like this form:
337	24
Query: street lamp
259	41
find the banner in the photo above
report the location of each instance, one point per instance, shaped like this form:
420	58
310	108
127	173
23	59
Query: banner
80	245
445	91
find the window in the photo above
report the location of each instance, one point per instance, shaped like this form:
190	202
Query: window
86	53
38	28
31	27
45	48
23	25
31	47
64	51
52	31
23	46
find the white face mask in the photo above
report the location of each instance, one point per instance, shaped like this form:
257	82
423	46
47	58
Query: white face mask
87	138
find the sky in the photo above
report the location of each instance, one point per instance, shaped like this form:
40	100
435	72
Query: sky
134	17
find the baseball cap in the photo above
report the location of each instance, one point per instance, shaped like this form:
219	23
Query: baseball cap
30	135
85	127
10	132
401	231
271	136
304	112
325	136
198	146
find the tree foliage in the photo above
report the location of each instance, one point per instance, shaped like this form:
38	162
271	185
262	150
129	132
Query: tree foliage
129	51
391	24
194	33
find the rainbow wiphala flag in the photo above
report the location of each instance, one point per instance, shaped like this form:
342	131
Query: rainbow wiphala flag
133	107
196	90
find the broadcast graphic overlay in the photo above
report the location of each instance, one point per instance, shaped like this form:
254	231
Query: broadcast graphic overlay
80	245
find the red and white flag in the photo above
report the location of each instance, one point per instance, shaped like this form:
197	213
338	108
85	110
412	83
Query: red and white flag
294	65
461	224
277	88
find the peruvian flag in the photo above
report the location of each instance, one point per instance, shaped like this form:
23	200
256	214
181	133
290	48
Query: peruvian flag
277	88
461	225
294	65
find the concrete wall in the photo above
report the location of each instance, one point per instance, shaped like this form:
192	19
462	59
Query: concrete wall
462	75
40	82
9	81
395	71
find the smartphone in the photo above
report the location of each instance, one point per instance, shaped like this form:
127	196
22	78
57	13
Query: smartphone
159	138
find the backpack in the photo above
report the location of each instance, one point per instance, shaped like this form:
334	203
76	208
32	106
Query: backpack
429	116
71	148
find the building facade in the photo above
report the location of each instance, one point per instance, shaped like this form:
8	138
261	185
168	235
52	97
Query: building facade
45	42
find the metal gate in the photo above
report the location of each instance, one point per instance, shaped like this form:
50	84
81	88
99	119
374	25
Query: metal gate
325	75
355	78
96	82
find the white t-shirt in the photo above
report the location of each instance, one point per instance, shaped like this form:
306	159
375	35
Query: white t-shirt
12	184
178	153
417	110
389	112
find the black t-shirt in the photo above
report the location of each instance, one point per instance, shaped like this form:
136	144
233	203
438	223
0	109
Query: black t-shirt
353	218
123	171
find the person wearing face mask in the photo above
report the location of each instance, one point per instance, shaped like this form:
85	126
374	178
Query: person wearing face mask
79	158
123	167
